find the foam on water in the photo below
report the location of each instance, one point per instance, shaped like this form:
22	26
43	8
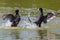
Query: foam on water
6	23
25	22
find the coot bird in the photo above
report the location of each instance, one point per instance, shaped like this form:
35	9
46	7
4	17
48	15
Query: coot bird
16	19
44	18
41	18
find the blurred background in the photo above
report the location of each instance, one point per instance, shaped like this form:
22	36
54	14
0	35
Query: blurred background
48	4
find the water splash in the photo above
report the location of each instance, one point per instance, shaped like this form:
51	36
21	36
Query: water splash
26	23
6	23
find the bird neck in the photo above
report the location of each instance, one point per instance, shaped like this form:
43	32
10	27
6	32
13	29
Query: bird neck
17	13
41	12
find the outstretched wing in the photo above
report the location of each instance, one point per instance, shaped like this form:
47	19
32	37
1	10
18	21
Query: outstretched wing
49	17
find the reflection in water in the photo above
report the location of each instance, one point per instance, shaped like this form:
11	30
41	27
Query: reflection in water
9	34
20	34
15	34
29	35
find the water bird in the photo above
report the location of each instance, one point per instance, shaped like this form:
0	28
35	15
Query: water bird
11	19
16	18
44	18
